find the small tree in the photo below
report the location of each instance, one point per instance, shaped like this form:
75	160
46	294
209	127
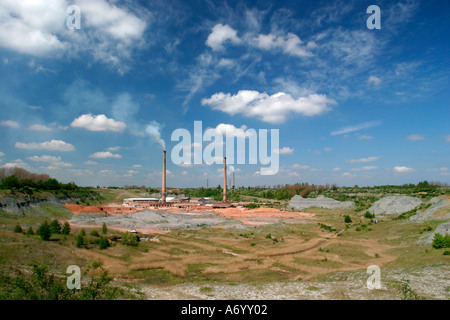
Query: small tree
18	229
30	231
80	241
347	219
83	232
44	231
104	228
129	239
441	241
66	228
94	232
103	243
55	227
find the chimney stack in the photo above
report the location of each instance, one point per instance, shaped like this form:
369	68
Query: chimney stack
234	186
163	188
225	179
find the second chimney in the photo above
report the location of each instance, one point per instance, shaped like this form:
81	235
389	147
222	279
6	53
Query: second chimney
163	188
225	179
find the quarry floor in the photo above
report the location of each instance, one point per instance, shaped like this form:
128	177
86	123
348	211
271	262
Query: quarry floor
265	253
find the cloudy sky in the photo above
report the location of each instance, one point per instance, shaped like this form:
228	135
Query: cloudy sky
353	105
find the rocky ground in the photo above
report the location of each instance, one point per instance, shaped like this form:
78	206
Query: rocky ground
431	282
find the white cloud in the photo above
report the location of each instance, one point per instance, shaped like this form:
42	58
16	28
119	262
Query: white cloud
105	154
2	154
336	169
35	107
289	44
286	150
90	163
230	130
137	166
374	80
365	168
39	127
117	148
53	145
98	123
299	166
349	175
219	34
10	123
273	109
364	137
361	160
44	158
357	127
402	169
38	28
15	164
326	149
447	138
415	137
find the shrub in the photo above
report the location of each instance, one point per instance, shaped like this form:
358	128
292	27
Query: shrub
407	292
251	206
129	239
104	228
66	228
80	241
369	215
55	227
94	233
30	231
347	219
44	231
83	232
441	241
18	229
103	243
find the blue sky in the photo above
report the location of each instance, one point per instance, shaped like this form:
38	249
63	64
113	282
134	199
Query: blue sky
353	105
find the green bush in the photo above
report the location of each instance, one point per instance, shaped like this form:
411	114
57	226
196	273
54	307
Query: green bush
441	241
83	232
80	241
94	233
104	228
369	215
66	228
103	243
129	239
41	285
44	231
18	229
347	219
55	227
30	231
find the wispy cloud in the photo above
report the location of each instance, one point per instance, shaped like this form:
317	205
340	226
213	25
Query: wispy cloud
362	160
353	128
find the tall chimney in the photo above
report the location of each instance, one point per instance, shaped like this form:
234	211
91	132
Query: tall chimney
163	189
234	186
225	179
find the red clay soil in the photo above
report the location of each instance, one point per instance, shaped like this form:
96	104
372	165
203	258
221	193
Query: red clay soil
77	209
261	213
